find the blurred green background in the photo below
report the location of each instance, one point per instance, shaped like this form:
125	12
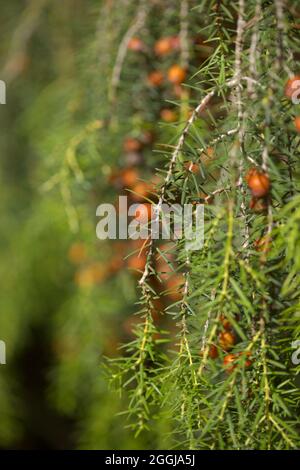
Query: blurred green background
67	299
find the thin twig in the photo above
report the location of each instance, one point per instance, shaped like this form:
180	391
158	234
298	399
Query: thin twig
137	24
21	37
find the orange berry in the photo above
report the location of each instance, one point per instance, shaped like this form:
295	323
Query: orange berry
135	44
168	115
248	361
228	360
297	123
193	167
292	87
226	340
258	182
132	145
163	46
176	74
225	322
213	351
155	78
129	177
137	262
140	191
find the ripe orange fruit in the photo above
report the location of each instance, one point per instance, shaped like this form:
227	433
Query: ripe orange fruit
77	253
297	123
248	361
129	177
193	167
292	87
213	351
258	182
137	262
135	44
176	74
226	323
168	115
140	191
132	145
155	78
229	359
163	46
226	340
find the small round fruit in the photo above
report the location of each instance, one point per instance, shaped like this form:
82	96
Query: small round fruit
129	177
132	145
155	78
297	123
248	361
292	87
163	46
213	351
176	74
229	361
135	44
140	191
192	167
258	182
225	322
168	115
137	262
226	340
